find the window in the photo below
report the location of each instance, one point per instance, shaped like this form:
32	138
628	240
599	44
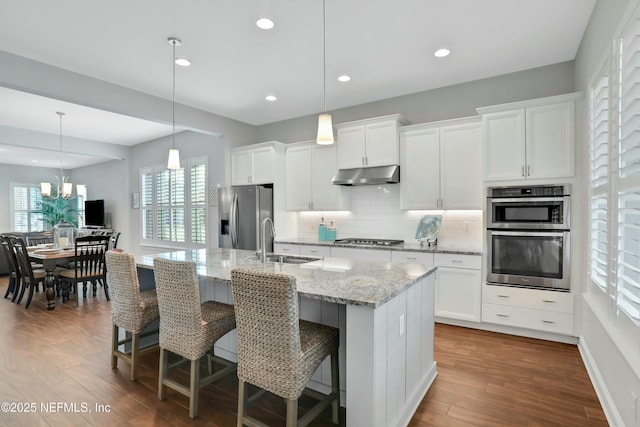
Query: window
25	205
599	126
174	205
82	196
627	178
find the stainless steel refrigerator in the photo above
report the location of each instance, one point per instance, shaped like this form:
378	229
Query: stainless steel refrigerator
242	209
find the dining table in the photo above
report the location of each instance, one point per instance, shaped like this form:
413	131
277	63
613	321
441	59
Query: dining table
50	258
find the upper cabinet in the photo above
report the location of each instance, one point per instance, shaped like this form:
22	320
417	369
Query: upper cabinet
370	142
254	164
531	139
309	169
441	166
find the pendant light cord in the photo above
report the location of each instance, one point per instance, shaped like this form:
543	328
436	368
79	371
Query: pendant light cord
60	114
173	96
324	54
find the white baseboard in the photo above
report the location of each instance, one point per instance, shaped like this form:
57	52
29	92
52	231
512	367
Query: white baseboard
606	400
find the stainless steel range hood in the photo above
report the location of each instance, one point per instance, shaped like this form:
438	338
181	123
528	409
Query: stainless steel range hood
368	176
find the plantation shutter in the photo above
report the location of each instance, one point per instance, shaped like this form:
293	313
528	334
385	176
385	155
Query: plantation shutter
600	179
628	176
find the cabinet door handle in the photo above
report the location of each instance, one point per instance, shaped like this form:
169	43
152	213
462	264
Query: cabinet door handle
528	170
549	301
457	261
411	258
362	161
313	251
503	296
549	322
522	170
285	249
503	315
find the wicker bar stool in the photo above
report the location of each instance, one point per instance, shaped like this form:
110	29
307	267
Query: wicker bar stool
277	351
131	309
187	327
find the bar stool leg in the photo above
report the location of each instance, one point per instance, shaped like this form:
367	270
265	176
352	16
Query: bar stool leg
135	338
292	412
194	388
114	346
335	387
163	372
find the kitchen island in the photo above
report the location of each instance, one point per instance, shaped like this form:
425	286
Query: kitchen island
384	312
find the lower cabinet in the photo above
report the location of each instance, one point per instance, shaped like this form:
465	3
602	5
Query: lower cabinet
363	254
541	310
313	250
458	287
286	248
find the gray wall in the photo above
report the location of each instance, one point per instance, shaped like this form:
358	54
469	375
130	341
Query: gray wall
438	104
610	354
190	144
23	175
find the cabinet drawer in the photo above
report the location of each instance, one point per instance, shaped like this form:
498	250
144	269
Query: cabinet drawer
458	261
315	250
560	302
542	320
407	256
286	248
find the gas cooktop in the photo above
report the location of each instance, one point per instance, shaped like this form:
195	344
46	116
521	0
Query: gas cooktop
370	242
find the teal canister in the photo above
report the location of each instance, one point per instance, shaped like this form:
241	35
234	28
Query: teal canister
322	230
331	232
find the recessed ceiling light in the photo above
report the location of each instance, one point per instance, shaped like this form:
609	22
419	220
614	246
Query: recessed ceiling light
265	23
344	78
271	98
441	53
183	62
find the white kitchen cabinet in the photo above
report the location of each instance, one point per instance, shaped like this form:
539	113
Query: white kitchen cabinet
363	254
309	169
458	287
531	139
286	248
440	167
255	164
315	250
409	256
541	310
370	142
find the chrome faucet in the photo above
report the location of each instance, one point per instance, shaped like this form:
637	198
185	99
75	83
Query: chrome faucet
263	249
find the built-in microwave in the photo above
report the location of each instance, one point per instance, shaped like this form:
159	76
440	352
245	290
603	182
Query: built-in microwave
532	207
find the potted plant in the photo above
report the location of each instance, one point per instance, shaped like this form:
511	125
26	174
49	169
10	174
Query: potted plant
58	209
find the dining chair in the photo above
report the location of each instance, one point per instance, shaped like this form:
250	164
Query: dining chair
34	239
188	327
113	240
15	279
277	351
131	309
88	266
30	277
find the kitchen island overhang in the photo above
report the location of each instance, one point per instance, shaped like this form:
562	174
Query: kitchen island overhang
385	312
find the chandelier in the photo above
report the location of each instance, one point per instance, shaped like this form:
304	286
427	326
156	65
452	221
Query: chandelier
63	188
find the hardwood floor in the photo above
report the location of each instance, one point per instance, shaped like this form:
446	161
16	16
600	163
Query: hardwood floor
53	358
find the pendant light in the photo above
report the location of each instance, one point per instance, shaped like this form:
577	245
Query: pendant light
325	127
63	188
174	155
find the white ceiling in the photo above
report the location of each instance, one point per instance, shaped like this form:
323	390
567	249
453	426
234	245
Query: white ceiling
385	46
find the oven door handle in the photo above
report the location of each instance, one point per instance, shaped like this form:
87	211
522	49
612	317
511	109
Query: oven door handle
498	200
529	233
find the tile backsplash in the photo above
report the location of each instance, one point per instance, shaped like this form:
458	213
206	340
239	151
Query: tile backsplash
375	212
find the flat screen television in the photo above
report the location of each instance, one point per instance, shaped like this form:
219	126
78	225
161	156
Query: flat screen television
94	213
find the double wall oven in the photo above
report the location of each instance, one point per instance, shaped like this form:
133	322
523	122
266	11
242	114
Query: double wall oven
528	236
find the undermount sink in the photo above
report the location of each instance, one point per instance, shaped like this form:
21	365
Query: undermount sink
290	259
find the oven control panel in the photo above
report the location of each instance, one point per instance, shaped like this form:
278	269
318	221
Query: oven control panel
531	191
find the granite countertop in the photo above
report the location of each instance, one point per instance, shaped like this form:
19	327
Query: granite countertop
340	280
407	246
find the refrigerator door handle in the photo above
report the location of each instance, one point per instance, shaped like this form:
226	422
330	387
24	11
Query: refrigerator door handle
233	222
